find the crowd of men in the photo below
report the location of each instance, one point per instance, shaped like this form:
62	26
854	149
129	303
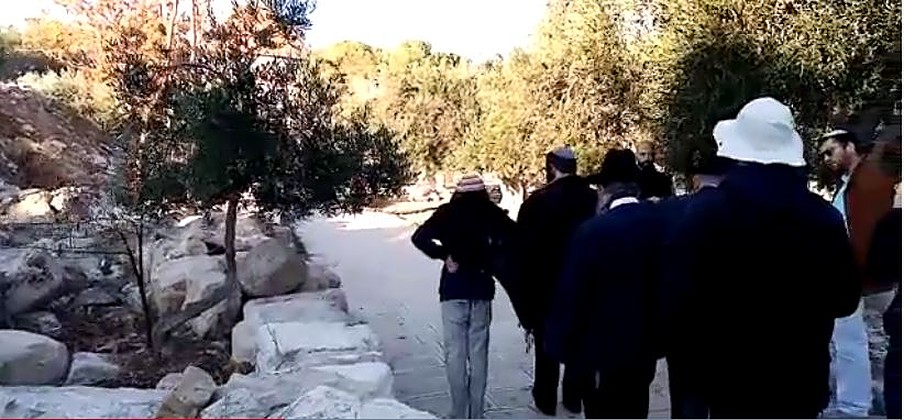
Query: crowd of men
743	285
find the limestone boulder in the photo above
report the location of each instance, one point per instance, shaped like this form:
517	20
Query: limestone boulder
31	204
270	268
169	381
244	343
79	402
195	389
366	380
183	281
28	278
262	394
31	359
285	345
91	369
329	306
323	402
325	306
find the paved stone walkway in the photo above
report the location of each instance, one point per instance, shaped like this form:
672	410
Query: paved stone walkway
394	287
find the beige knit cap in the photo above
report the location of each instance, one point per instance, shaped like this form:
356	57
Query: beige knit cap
470	183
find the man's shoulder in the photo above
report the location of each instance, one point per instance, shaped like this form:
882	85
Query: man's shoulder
821	210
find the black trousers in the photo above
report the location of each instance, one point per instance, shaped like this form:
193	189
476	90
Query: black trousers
621	393
686	397
575	382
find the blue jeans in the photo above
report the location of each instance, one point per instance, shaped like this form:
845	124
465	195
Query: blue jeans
853	377
466	337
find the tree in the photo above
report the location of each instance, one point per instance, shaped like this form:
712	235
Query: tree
240	122
815	55
428	98
573	86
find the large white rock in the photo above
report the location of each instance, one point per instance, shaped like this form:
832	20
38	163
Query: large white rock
186	280
194	390
283	345
31	359
79	402
368	380
385	408
323	402
261	395
90	369
270	268
326	306
32	204
244	343
30	277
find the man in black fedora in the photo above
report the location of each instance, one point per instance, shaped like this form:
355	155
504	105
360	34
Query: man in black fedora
602	313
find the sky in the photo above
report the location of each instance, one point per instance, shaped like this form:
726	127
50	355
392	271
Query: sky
477	29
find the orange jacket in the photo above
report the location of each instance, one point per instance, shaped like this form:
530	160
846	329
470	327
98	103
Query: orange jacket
869	196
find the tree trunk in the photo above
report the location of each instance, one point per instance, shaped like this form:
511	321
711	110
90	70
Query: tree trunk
194	28
230	291
171	34
232	206
136	261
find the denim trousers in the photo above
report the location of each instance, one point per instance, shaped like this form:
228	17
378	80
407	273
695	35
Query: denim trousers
466	337
851	365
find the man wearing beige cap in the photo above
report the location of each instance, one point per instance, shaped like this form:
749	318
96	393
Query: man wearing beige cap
465	234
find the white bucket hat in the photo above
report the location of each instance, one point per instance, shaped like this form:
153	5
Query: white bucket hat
763	132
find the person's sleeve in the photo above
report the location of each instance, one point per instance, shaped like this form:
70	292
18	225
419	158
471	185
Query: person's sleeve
839	269
426	237
685	237
568	299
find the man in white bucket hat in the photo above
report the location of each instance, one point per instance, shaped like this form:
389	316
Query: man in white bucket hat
758	270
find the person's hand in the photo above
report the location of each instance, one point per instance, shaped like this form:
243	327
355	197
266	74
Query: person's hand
451	266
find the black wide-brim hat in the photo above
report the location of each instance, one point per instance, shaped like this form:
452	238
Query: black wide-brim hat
619	165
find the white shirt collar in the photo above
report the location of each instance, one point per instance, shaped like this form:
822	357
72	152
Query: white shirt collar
624	200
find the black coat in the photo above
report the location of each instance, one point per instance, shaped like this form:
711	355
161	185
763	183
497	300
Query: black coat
603	314
546	222
756	274
884	266
471	230
654	183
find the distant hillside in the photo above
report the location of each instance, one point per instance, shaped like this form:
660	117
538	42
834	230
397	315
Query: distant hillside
43	144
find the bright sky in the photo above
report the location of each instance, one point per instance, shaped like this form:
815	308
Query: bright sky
477	29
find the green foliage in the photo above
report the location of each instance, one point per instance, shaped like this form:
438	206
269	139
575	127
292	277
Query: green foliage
244	124
10	39
572	87
427	98
91	98
824	58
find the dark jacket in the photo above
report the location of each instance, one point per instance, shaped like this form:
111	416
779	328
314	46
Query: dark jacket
884	266
471	230
757	272
546	222
654	183
602	314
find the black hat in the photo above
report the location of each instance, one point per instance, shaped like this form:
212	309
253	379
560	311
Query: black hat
619	165
563	159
